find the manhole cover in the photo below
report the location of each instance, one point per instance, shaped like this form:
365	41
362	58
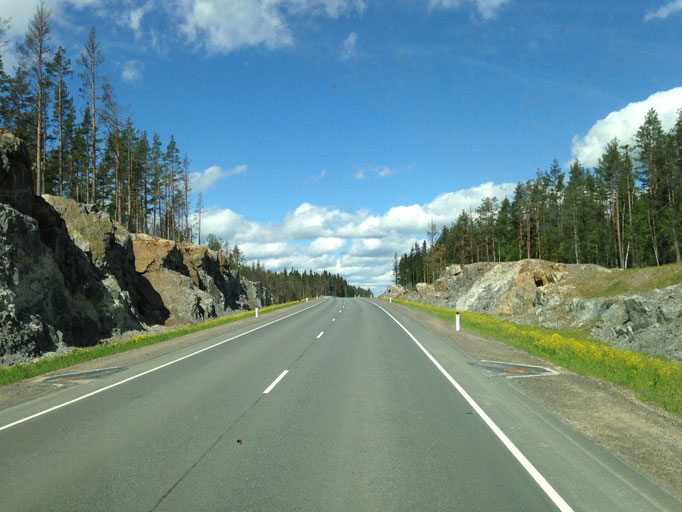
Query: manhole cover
83	376
500	368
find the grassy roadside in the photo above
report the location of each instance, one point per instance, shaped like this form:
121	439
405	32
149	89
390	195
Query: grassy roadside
654	379
9	374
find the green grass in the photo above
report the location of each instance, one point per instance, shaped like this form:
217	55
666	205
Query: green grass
630	281
9	374
654	379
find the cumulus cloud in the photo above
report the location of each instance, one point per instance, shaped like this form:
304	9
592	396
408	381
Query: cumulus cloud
349	46
225	25
325	245
359	245
201	181
309	221
664	11
486	8
624	124
132	71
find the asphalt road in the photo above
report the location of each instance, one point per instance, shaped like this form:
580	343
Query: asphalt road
363	419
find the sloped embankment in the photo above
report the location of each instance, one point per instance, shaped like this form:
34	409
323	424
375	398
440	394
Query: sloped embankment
549	294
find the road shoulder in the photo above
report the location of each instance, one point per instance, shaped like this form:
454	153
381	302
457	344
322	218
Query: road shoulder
644	436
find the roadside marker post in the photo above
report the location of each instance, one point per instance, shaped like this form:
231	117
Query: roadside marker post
457	321
257	315
390	300
306	299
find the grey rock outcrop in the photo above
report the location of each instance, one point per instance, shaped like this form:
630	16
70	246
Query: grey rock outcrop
649	322
33	297
70	276
16	179
109	247
166	293
52	294
534	291
211	272
254	294
499	288
394	291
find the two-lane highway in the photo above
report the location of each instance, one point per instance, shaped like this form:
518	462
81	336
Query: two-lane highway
338	406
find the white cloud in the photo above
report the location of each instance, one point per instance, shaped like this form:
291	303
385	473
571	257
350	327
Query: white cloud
132	71
20	13
624	124
374	172
133	18
268	250
486	8
665	11
359	245
225	25
309	221
349	46
201	181
325	245
317	177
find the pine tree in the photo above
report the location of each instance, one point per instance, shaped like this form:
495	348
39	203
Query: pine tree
141	166
111	120
34	52
172	165
505	232
90	60
610	172
186	189
62	113
79	159
650	143
156	182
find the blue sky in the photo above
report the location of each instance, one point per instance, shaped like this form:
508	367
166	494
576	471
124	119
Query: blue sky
325	134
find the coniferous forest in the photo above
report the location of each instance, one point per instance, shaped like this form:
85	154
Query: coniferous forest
85	146
623	213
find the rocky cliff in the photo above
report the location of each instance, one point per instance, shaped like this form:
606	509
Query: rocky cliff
541	292
70	276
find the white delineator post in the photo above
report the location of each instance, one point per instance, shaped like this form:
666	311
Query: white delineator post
456	320
257	316
306	299
390	300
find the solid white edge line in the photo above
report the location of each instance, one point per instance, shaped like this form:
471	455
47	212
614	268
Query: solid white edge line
115	384
319	335
275	382
527	465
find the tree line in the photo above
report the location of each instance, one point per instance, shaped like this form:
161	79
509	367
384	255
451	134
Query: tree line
91	151
293	285
287	285
625	212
